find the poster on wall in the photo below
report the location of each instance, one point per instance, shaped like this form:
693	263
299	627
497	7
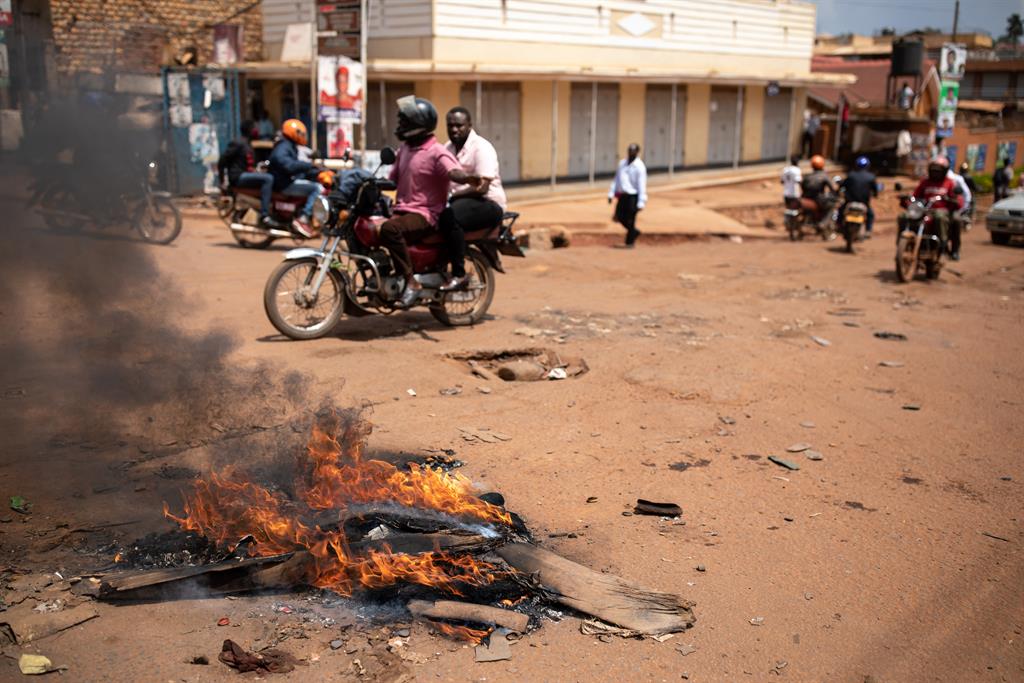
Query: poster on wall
976	155
340	84
339	138
952	61
6	15
1007	151
178	91
951	154
203	149
949	97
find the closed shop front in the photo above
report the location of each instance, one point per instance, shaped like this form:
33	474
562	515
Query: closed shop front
382	112
775	136
660	147
722	129
605	141
498	120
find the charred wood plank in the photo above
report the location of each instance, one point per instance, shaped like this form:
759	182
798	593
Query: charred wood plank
467	611
601	595
415	544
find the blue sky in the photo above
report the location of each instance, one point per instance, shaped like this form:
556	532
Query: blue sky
868	16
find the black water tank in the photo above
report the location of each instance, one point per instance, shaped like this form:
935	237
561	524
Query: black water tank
907	57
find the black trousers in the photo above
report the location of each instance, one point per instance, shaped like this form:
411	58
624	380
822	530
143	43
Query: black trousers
397	232
625	213
466	214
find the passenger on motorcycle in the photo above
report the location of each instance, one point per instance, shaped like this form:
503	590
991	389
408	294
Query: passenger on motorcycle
469	208
291	173
423	173
814	186
956	223
791	178
236	168
940	186
860	186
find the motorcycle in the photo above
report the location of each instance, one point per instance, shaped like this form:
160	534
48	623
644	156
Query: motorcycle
919	244
352	274
66	201
800	212
854	217
243	209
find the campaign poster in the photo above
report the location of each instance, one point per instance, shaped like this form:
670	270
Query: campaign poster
340	137
1007	151
340	82
951	153
952	61
203	149
949	97
6	15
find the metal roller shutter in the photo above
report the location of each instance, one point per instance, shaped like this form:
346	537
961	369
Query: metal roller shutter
722	128
606	137
658	150
775	134
498	121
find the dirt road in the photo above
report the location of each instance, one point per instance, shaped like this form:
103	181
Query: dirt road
871	564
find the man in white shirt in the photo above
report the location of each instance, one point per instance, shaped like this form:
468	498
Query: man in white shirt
791	178
956	222
630	188
470	208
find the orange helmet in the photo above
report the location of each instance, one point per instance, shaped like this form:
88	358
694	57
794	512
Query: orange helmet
326	178
294	130
817	162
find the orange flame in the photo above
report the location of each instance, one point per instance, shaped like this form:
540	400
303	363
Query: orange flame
334	475
471	635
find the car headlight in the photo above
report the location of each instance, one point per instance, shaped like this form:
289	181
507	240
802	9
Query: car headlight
321	211
915	212
999	212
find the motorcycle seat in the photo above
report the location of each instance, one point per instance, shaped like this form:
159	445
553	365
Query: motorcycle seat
277	196
857	206
437	238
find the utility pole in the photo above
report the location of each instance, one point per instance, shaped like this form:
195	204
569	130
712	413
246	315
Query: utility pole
956	19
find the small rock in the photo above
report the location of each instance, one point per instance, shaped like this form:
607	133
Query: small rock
911	406
725	419
402	633
807	424
788	464
484	390
891	363
788	519
798	447
757	621
451	391
808	596
820	341
1000	479
701	568
336	644
591	499
814	455
411	392
686	649
200	660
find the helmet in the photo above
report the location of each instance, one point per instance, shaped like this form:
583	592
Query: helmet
326	178
817	162
964	168
938	167
861	162
417	118
294	130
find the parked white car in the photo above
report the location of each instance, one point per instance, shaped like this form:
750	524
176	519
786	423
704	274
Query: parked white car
1006	218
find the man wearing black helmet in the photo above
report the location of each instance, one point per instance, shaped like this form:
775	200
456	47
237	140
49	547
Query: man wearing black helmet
860	186
423	173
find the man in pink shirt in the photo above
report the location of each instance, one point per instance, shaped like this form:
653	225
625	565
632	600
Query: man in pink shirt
471	208
422	172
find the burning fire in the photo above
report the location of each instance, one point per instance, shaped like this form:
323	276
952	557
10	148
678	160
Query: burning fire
472	635
333	476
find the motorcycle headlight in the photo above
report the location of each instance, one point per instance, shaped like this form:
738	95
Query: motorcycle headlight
152	172
321	212
915	212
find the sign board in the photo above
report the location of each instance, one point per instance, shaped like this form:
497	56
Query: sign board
298	43
6	15
338	28
341	87
952	61
949	96
228	44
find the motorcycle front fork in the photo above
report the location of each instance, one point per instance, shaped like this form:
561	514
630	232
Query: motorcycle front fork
327	249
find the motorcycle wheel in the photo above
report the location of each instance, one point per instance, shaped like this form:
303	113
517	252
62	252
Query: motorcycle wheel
906	264
849	234
291	312
226	208
55	197
244	240
469	306
932	269
158	221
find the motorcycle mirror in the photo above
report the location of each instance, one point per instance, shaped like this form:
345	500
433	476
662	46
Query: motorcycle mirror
898	186
387	156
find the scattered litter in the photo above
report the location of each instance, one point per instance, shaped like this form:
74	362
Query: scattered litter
757	621
911	406
484	390
495	648
726	420
998	538
891	364
789	465
820	341
450	391
271	660
735	239
891	336
780	478
686	649
201	660
483	435
223	621
701	568
646	507
19	504
558	373
808	596
808	425
530	332
591	499
850	323
32	665
814	455
798	447
411	392
846	312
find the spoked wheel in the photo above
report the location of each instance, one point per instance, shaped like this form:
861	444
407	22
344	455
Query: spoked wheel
291	305
226	207
468	307
158	220
248	240
906	259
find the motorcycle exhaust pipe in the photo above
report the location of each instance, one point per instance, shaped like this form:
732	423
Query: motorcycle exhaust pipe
249	230
44	211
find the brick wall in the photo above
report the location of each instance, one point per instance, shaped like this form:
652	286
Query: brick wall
139	36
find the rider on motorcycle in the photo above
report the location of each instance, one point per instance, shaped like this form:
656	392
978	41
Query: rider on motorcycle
423	172
939	186
814	186
235	168
291	173
860	186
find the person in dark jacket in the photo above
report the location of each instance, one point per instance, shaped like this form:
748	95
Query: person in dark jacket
860	186
236	168
291	174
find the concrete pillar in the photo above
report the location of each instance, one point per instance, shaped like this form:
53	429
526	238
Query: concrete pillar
698	123
536	129
753	123
796	124
564	97
444	94
632	111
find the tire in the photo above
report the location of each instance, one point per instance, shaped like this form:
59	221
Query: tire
1000	238
932	269
244	240
272	299
906	264
455	313
158	221
56	198
848	233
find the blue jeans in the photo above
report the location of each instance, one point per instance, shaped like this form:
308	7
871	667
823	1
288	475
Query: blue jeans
310	188
265	182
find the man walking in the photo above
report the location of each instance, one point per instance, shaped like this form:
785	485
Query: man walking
630	188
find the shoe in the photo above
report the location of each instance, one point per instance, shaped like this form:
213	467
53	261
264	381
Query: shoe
866	236
408	298
455	284
624	246
955	256
301	226
270	223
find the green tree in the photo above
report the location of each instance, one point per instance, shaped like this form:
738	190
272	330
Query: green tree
1014	28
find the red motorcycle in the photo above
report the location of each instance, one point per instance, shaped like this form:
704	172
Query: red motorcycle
240	209
352	274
